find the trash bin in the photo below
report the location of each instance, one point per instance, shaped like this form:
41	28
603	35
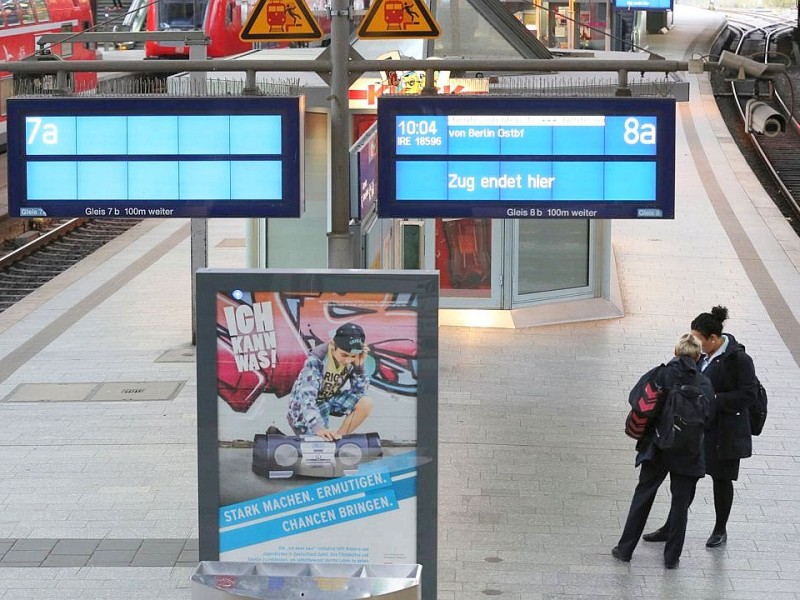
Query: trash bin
216	580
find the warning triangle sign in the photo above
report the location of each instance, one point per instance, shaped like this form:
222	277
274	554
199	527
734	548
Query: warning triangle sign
280	20
388	19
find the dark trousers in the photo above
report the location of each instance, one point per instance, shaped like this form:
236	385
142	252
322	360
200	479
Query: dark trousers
651	475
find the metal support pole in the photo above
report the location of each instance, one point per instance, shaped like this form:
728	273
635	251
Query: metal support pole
250	87
622	85
199	259
199	227
62	84
430	83
340	254
255	252
198	50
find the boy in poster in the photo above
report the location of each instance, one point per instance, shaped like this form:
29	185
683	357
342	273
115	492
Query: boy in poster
332	383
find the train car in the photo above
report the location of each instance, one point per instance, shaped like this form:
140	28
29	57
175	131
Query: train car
393	14
222	20
23	21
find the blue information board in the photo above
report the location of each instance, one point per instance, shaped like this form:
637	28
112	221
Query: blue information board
155	157
506	157
654	5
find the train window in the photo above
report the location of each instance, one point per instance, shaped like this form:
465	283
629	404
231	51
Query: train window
41	11
10	12
27	11
179	14
229	13
66	48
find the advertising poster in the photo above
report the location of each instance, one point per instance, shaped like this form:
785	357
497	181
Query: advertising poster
317	402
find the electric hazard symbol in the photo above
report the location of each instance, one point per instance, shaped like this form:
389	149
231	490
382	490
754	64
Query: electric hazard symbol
286	20
399	19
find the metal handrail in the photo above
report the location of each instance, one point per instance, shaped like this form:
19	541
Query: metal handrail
324	66
98	37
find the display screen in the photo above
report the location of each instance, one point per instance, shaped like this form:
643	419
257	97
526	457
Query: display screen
643	4
154	157
526	158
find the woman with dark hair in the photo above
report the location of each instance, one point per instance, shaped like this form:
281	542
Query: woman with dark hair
728	439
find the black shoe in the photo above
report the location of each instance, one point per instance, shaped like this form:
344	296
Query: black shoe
659	535
672	564
716	539
272	430
617	553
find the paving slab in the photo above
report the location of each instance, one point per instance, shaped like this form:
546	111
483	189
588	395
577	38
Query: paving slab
66	560
112	557
79	547
34	544
25	556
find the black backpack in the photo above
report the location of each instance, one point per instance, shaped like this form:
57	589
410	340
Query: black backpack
681	424
758	411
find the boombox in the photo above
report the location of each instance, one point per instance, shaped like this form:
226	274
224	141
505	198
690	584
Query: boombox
278	456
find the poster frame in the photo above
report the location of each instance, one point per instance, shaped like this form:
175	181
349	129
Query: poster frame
425	284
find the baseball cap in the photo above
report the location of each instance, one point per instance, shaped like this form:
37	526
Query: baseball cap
350	338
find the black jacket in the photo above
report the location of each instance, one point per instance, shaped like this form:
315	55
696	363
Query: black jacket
679	371
734	379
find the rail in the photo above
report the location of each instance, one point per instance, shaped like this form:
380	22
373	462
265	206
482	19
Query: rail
777	155
40	242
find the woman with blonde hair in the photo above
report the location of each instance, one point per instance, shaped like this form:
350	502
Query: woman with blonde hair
685	466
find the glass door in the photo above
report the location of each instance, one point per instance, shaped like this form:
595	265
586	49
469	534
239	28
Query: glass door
552	260
468	255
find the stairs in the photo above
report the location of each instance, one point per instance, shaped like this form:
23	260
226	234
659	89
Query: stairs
110	19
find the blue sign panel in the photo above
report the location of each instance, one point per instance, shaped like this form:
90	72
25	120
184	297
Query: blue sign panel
655	5
500	157
154	157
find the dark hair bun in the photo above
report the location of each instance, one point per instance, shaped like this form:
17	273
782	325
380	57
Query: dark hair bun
720	314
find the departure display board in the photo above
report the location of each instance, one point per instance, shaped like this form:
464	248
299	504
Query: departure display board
155	157
509	157
654	5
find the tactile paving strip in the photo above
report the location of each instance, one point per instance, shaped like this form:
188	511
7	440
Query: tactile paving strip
129	391
178	355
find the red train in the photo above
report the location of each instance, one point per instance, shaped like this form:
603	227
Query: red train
22	22
222	20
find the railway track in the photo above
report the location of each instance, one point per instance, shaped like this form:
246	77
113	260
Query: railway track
775	159
26	269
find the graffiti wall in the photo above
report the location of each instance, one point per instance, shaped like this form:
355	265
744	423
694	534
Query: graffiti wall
265	337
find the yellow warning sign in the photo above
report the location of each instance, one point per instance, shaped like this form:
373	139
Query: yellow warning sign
280	20
388	19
